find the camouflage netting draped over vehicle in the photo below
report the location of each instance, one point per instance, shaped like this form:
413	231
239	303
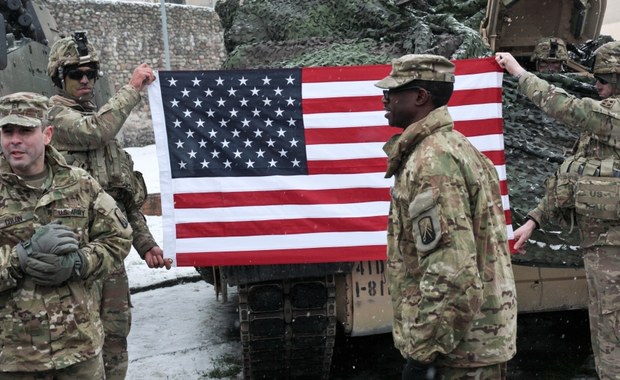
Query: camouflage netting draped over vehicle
291	33
287	33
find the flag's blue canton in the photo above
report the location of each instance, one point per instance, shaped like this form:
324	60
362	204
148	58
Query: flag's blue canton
234	123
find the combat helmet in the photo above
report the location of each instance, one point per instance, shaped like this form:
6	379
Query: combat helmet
607	62
550	49
70	51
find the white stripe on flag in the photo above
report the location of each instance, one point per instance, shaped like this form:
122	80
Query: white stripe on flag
274	242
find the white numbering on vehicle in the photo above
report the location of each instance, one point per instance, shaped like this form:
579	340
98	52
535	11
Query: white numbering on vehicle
370	279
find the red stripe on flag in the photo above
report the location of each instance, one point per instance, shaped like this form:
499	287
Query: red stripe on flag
293	256
356	104
471	128
349	135
479	96
344	73
503	187
508	217
496	156
283	197
476	66
355	166
281	227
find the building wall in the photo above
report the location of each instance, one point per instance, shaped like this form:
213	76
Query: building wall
202	3
127	34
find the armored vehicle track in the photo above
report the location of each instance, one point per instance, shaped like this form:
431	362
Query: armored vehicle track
288	328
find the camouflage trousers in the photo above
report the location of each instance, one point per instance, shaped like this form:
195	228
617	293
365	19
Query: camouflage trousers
491	372
602	265
116	319
91	369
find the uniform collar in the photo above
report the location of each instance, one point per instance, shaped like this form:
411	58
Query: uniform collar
401	144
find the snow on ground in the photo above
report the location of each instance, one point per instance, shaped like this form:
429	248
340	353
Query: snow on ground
179	332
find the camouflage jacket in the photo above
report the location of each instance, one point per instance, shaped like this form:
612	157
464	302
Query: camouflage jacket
450	274
86	138
599	142
43	328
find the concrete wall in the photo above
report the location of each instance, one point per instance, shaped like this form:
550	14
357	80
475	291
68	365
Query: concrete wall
129	33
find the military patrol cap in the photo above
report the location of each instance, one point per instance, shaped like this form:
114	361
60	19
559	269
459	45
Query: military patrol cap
25	109
550	49
412	67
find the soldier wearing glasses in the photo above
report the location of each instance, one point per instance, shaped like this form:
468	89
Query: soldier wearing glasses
85	135
450	275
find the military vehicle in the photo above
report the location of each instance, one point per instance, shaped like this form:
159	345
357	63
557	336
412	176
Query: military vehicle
289	314
30	31
516	25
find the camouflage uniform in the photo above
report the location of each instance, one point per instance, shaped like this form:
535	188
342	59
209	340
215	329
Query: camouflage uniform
86	137
583	192
55	331
449	267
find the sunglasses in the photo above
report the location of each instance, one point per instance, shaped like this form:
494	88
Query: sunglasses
79	74
601	80
386	93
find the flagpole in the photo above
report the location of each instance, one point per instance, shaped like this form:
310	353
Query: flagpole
164	28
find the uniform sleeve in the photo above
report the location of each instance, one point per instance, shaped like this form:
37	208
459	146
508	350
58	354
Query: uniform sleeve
576	113
110	237
8	262
450	286
75	131
142	238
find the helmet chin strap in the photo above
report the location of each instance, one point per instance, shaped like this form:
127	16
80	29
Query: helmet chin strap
62	77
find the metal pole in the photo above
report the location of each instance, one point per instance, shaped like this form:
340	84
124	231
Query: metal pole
164	28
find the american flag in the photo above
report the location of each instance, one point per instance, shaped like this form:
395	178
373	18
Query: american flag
284	166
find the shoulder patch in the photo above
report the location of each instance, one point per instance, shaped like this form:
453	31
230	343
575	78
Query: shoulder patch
608	103
425	214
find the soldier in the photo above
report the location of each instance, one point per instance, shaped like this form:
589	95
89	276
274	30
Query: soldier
550	55
59	233
449	267
85	135
583	191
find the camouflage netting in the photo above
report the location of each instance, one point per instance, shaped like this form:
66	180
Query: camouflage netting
287	33
291	33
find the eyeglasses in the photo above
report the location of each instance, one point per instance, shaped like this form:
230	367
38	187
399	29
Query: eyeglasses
386	93
77	74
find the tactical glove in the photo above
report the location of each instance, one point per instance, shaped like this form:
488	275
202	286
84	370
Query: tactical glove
50	269
415	370
51	238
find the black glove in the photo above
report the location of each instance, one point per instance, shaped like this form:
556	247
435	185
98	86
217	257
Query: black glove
51	238
415	370
50	269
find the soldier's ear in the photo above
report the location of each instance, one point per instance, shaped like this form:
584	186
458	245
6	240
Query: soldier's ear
48	132
423	96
